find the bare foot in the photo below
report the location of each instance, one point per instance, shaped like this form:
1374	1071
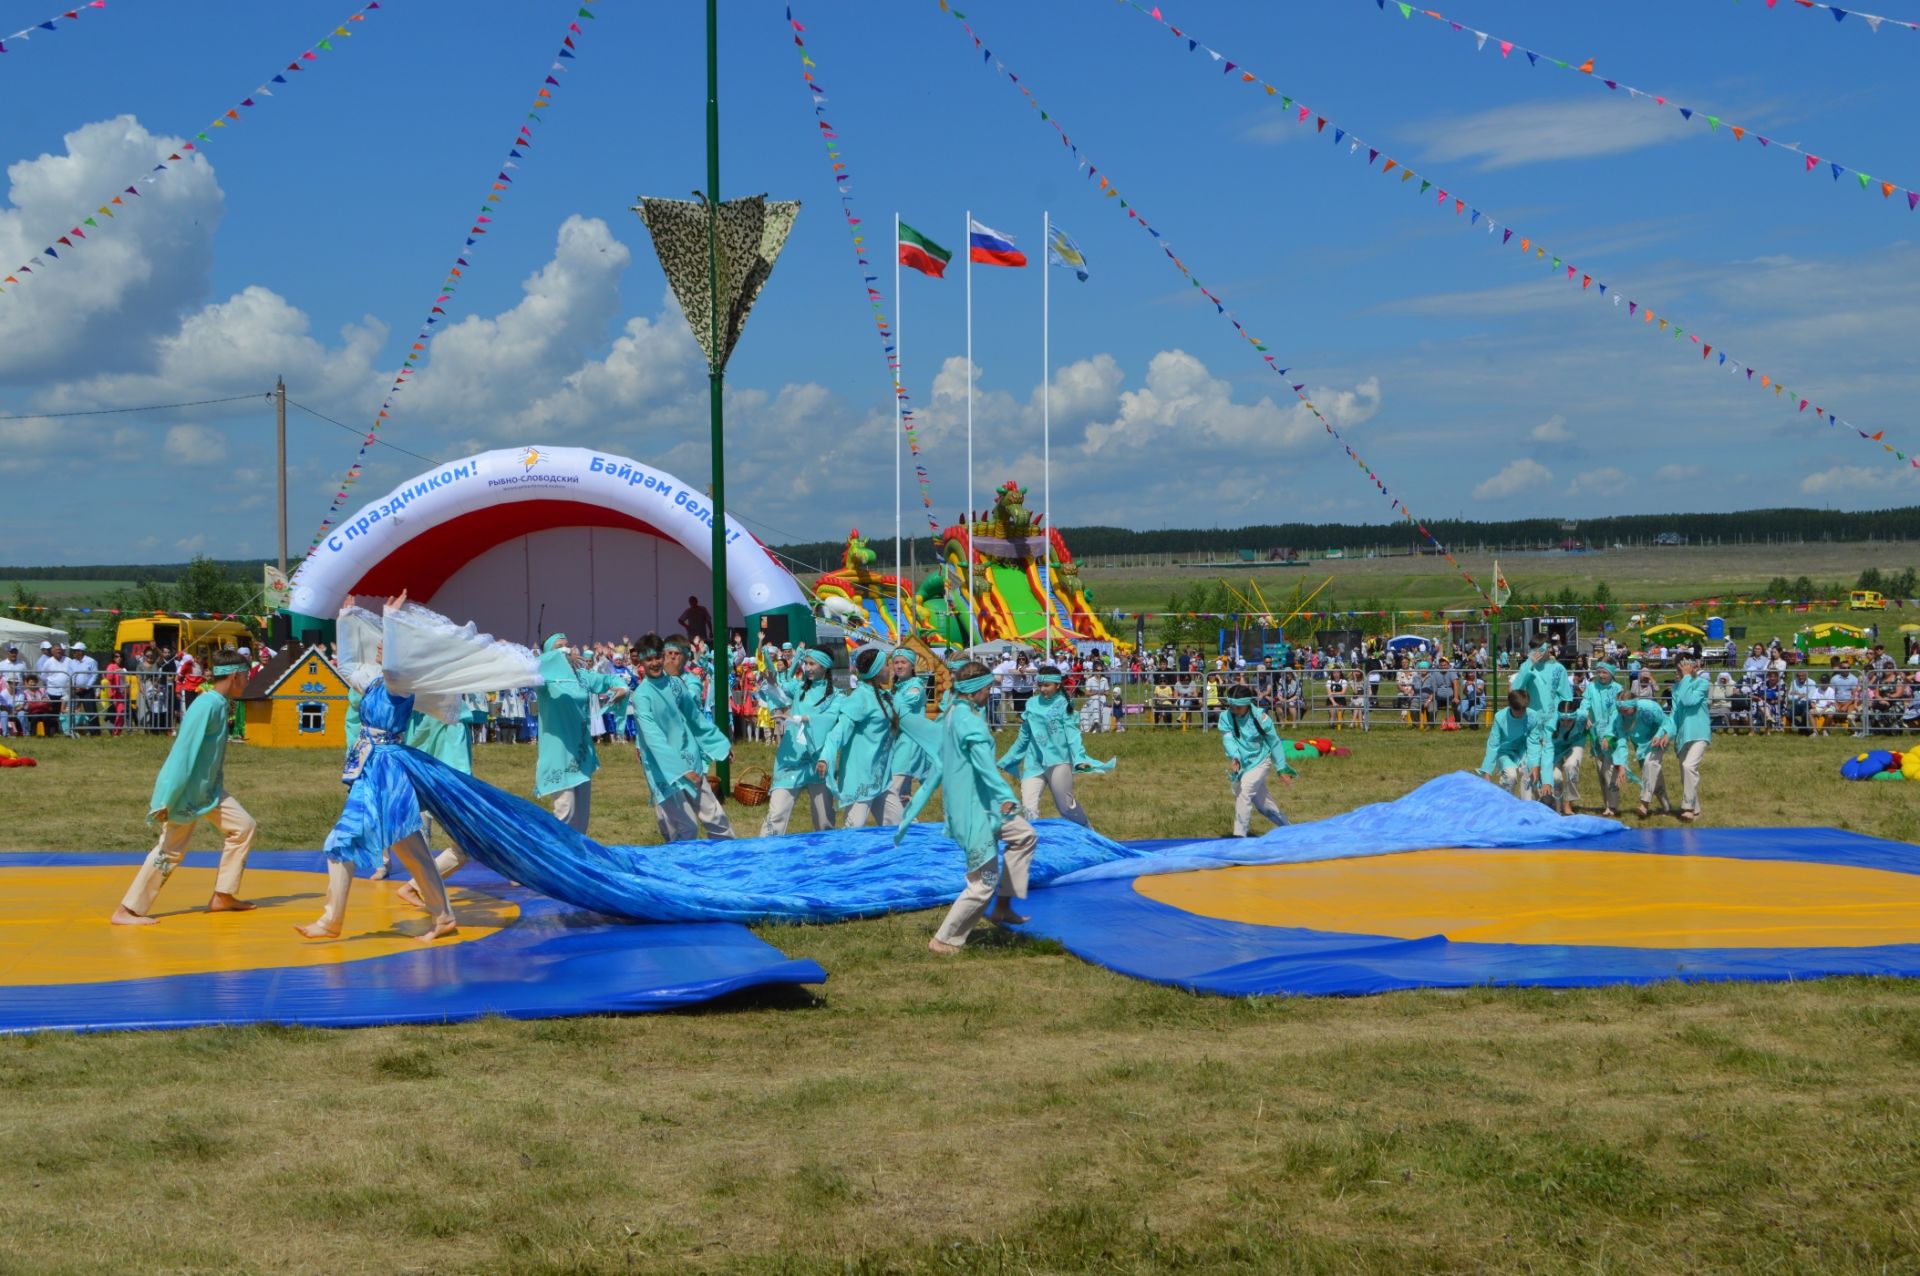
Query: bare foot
1566	808
316	931
1643	812
1008	918
1688	816
1609	813
944	949
409	894
441	929
124	916
225	903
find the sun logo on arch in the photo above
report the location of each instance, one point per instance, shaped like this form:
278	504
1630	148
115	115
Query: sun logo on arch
531	459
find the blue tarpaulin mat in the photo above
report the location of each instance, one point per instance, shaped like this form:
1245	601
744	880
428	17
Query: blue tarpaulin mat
552	960
1101	914
830	875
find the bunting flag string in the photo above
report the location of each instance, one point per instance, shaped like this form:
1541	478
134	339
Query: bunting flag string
482	224
1715	124
51	24
870	277
1873	20
1108	189
197	145
1560	268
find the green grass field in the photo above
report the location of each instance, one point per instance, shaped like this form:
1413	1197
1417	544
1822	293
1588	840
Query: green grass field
1012	1110
1634	575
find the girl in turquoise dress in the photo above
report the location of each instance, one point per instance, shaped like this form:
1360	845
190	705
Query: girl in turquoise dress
406	656
866	725
910	765
1049	751
804	721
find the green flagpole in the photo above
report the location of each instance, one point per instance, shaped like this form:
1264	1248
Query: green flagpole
716	375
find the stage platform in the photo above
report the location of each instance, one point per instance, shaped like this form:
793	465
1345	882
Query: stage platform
518	954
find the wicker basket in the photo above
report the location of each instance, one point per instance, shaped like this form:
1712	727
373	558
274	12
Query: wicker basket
752	787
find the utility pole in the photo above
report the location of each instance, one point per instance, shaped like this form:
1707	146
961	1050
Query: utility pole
716	379
280	437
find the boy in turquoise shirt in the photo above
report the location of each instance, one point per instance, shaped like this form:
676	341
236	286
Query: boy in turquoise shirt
981	814
1691	733
192	787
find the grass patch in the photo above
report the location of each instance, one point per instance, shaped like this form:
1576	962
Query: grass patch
1015	1110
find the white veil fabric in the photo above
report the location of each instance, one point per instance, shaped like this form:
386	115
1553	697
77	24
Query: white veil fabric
429	657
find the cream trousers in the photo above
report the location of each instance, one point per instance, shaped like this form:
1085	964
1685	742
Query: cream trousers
860	814
685	814
235	825
1058	779
780	805
988	880
1250	795
574	806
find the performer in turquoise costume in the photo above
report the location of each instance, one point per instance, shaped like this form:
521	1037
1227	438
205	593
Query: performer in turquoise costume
191	787
1649	729
803	722
567	759
1545	681
1254	752
867	726
1561	754
408	655
677	741
1603	734
981	813
911	765
1049	750
1692	730
1515	744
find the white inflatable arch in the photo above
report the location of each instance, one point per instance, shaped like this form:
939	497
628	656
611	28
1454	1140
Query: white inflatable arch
541	540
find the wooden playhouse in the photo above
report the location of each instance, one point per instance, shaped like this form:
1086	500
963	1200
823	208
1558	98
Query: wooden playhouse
298	700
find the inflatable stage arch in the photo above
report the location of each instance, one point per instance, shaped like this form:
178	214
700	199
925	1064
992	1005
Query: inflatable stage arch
539	540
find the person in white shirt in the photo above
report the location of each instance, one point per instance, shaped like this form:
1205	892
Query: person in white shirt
54	680
13	721
1097	714
83	700
1823	707
12	669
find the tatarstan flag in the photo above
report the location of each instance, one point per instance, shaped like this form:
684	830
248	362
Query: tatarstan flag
922	254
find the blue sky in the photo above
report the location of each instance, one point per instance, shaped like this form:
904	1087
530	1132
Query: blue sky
1478	384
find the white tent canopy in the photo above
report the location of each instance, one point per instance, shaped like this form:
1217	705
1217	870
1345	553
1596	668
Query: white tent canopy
22	633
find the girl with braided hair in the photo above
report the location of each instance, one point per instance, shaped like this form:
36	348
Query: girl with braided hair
1254	752
866	726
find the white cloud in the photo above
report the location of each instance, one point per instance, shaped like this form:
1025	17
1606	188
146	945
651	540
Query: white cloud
194	444
1852	480
1528	132
1677	473
1608	480
105	300
1183	401
1552	430
1516	477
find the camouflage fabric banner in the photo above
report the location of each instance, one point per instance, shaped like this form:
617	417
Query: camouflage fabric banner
749	237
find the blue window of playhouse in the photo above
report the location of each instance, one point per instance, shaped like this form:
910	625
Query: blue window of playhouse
313	717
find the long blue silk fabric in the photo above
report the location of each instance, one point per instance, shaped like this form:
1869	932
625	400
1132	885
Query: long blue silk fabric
1456	810
803	877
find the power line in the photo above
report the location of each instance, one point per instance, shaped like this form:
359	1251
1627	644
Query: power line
362	433
150	407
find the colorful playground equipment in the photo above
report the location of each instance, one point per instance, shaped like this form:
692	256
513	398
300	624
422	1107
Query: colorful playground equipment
860	599
1014	563
1026	586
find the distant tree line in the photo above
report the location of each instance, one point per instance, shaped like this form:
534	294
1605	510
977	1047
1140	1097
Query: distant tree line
1777	524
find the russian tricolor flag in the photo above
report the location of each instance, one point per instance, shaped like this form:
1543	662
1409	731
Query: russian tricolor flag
989	247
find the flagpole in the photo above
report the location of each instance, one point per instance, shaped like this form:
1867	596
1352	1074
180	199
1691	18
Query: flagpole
1046	425
898	604
973	602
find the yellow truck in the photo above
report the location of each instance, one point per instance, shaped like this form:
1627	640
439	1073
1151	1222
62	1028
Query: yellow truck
201	637
1866	600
